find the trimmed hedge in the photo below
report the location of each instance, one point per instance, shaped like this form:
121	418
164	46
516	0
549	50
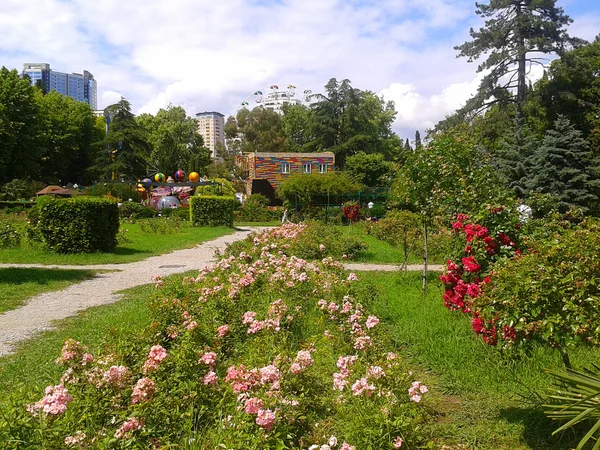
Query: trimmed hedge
79	225
212	210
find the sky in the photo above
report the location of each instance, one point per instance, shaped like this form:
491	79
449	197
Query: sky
211	55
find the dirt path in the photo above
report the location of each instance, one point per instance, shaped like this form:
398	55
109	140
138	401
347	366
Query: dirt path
40	311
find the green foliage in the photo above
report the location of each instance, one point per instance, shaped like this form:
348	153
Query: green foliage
551	294
68	138
19	150
369	169
572	89
302	188
20	189
162	225
212	210
564	166
9	236
256	209
127	143
513	35
258	130
448	176
399	228
79	225
576	399
175	141
133	210
319	240
223	187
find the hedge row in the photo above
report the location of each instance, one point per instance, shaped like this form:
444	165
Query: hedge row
211	210
79	225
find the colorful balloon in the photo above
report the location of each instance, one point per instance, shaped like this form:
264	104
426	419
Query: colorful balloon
146	182
159	178
194	177
180	175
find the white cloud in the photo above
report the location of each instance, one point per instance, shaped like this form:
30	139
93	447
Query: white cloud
207	55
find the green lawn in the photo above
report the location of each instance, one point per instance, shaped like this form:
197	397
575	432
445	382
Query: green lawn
481	399
142	245
33	364
380	252
17	285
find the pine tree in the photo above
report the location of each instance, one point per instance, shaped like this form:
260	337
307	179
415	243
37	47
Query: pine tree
564	167
516	35
407	147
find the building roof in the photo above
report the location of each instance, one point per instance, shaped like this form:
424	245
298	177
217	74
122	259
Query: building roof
291	154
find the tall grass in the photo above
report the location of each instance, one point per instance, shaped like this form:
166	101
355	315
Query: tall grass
486	398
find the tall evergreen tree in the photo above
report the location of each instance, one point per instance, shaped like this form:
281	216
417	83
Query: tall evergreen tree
564	167
418	143
407	147
127	148
515	33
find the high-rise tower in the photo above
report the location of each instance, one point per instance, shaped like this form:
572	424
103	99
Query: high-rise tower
210	126
80	87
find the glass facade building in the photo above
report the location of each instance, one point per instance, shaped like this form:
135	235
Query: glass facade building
80	87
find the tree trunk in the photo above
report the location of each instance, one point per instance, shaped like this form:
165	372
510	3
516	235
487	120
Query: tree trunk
521	59
405	262
425	257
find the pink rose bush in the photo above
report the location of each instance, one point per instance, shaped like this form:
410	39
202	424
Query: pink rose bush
262	347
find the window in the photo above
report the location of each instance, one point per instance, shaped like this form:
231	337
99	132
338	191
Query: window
306	168
285	167
322	168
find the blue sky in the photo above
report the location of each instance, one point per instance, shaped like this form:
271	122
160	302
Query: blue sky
209	55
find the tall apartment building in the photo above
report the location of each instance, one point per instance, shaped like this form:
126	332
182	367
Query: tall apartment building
80	87
210	126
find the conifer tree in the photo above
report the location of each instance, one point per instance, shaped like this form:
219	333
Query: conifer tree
564	167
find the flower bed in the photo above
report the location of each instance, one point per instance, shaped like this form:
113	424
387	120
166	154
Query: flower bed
261	350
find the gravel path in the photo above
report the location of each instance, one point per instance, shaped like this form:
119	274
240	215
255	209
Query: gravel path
37	315
40	311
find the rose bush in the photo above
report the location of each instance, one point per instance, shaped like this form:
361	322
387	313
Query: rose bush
261	350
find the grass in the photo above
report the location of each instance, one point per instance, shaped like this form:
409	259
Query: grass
33	364
380	252
482	399
142	245
18	284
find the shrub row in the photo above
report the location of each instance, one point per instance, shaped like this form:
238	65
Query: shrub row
79	225
212	210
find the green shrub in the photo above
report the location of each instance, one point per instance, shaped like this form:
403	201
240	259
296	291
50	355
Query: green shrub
9	236
136	210
179	213
212	210
319	240
223	188
550	295
256	209
79	225
161	225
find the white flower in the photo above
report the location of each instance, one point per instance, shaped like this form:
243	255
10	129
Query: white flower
332	441
325	447
313	447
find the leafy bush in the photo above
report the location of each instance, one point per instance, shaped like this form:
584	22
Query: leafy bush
303	188
550	295
222	188
9	236
399	228
180	213
351	211
256	209
79	225
161	225
493	236
262	350
212	210
135	210
121	192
